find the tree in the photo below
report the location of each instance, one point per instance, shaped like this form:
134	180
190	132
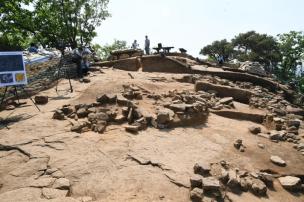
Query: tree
15	25
69	22
292	49
54	22
104	52
257	47
218	48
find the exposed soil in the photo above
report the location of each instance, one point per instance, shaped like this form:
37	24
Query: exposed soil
153	165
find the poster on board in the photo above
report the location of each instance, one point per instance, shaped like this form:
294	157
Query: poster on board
12	69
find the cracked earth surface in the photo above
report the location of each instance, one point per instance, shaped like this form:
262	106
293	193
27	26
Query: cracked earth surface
153	165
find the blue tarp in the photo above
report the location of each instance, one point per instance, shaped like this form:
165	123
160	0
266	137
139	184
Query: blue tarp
40	59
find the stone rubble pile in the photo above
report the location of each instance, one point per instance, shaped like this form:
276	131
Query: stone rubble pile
53	184
269	101
178	109
212	182
262	99
206	98
11	105
284	129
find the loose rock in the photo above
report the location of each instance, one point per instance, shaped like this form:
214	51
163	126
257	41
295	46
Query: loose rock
59	115
290	183
41	100
202	169
196	181
50	193
132	129
210	184
278	161
258	187
42	182
196	195
255	129
82	112
164	116
77	127
100	127
226	100
62	183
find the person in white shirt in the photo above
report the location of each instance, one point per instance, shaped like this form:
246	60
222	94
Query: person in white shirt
135	45
80	57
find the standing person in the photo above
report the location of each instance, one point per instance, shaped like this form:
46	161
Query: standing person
81	58
77	58
85	60
33	48
147	46
220	60
135	45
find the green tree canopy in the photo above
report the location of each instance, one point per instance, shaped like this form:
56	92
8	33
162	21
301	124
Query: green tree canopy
284	54
250	46
104	52
292	48
218	48
15	25
257	47
54	22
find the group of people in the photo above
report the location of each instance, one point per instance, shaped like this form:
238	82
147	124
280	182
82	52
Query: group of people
81	58
135	45
81	55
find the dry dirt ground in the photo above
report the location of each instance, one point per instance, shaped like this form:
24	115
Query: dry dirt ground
153	165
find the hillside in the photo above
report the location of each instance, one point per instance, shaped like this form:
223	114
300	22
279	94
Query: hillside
155	128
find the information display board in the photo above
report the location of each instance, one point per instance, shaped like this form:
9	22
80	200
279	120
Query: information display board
12	69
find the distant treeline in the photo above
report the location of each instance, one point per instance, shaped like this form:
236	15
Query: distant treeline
281	55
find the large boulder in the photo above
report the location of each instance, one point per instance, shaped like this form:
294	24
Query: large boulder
253	68
290	182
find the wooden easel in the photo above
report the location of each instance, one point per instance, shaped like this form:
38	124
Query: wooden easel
17	96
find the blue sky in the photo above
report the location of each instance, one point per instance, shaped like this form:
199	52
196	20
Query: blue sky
192	24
